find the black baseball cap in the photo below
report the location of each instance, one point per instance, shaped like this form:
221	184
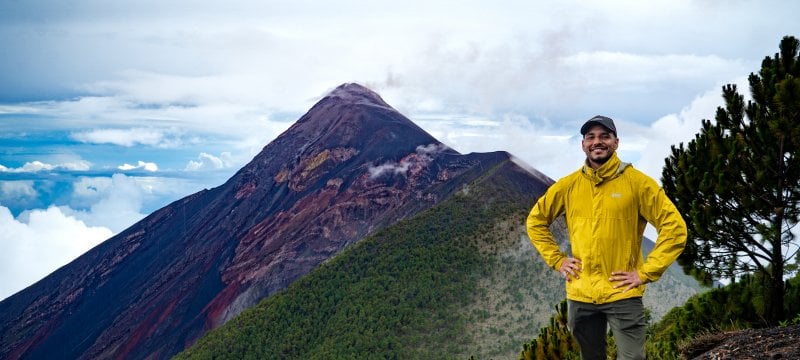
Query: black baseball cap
599	120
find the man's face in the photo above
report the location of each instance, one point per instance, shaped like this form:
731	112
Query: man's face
599	144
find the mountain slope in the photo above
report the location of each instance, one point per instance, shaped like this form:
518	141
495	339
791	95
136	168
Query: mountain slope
403	292
348	167
457	280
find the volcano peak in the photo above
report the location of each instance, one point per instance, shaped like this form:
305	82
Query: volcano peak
357	94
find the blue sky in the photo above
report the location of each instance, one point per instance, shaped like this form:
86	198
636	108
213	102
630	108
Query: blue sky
110	110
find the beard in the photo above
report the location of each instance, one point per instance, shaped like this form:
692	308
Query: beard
598	160
601	159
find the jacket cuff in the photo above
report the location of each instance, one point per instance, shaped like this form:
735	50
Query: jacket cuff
558	263
643	276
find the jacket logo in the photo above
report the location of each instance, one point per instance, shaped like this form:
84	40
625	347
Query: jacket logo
616	195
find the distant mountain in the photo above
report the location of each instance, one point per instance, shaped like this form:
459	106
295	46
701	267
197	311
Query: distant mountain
348	167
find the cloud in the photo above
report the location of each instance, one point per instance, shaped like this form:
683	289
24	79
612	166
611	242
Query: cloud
80	165
420	158
389	168
486	58
149	166
126	137
552	148
22	189
91	188
34	167
115	202
208	161
18	195
431	149
238	128
38	241
672	129
562	83
32	248
129	198
37	166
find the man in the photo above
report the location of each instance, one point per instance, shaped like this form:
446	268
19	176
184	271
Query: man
607	204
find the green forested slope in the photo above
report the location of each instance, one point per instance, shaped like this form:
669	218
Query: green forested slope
460	279
401	293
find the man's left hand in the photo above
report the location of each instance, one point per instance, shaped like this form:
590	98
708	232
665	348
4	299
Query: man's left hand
625	278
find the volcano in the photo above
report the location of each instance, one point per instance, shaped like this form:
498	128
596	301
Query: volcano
348	167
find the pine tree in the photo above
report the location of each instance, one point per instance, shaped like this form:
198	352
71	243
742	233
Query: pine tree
554	341
738	182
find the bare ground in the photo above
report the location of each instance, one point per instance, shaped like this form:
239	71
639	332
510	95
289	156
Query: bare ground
769	343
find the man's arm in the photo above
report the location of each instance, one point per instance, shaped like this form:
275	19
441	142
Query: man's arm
658	210
542	215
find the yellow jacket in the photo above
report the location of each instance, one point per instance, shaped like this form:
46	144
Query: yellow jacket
606	213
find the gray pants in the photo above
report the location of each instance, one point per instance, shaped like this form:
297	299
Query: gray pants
589	322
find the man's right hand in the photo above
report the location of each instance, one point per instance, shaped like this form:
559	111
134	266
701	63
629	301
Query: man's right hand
570	268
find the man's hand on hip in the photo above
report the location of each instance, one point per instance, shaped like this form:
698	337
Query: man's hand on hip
626	278
570	268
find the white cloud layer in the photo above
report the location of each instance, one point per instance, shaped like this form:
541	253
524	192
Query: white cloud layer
116	202
208	161
126	137
37	166
17	189
419	159
39	241
31	249
149	166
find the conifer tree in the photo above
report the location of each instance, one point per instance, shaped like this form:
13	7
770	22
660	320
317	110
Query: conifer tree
738	182
554	341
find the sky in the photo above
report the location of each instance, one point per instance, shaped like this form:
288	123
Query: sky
110	110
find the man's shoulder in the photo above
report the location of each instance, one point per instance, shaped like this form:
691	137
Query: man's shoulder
569	179
636	176
571	176
631	171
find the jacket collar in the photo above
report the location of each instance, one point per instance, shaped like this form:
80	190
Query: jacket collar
611	169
